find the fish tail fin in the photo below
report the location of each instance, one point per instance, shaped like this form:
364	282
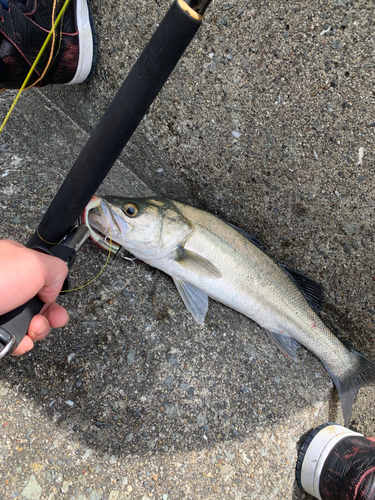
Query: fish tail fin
361	375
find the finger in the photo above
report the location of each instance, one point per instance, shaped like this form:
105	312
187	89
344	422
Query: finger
39	327
55	271
56	315
52	315
25	345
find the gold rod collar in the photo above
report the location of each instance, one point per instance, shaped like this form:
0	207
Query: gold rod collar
185	7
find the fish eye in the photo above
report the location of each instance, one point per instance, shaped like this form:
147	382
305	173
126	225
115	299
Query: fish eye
131	209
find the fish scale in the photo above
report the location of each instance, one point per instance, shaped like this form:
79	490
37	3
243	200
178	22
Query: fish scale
208	257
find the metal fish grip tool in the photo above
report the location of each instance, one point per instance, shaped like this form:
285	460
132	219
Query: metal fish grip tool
105	144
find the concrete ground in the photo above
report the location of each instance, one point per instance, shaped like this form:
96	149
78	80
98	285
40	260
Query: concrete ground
269	121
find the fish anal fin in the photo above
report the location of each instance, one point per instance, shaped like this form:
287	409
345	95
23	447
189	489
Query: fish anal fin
287	345
312	291
196	302
196	264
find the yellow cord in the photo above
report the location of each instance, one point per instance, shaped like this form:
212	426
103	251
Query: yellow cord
50	34
106	262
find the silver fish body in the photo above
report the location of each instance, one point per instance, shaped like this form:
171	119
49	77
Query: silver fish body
207	257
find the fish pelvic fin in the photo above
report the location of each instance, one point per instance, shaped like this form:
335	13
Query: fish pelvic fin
196	264
362	375
196	302
287	345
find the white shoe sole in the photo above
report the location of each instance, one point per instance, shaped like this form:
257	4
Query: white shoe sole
86	43
316	454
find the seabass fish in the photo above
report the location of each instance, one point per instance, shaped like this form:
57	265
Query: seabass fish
207	257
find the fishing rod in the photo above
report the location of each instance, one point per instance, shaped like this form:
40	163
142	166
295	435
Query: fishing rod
103	147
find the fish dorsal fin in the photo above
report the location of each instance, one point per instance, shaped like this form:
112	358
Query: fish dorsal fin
244	233
312	290
287	345
195	301
196	264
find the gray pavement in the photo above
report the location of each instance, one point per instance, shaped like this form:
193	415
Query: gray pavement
263	122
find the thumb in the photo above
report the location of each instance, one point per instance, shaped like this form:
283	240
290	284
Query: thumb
54	271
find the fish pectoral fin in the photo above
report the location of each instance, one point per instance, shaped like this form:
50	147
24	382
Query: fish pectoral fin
195	301
196	264
287	345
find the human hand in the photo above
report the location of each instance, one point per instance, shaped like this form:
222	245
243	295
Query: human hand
25	273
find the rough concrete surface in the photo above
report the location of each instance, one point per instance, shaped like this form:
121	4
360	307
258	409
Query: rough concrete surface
263	122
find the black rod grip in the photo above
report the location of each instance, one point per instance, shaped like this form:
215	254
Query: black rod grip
117	125
15	323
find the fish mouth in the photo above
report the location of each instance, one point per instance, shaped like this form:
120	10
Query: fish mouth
96	216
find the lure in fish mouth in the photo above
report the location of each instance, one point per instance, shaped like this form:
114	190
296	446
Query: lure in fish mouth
208	257
103	224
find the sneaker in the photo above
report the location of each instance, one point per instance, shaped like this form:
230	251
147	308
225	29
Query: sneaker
337	463
70	56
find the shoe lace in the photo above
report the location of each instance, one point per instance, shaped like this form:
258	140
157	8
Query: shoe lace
5	3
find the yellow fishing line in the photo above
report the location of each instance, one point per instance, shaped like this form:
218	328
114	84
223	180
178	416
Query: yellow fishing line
106	262
43	48
50	34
